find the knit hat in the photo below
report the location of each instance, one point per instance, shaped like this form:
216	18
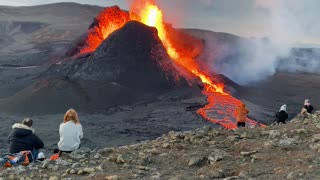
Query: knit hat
41	156
283	108
27	121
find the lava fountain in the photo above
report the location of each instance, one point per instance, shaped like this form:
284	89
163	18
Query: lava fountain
147	12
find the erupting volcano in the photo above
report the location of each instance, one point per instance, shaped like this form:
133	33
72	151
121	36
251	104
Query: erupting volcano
182	54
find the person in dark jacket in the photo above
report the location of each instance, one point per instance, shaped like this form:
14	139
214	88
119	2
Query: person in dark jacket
307	108
282	115
22	138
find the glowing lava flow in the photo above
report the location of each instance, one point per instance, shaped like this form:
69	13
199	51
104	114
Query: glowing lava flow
151	15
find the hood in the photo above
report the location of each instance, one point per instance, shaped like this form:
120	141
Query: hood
22	130
283	108
307	102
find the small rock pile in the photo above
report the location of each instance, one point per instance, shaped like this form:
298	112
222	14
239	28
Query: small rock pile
286	151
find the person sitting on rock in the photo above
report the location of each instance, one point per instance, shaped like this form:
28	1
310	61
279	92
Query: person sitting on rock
23	138
70	132
282	115
241	117
307	108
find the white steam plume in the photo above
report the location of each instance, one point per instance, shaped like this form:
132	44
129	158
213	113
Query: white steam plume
248	60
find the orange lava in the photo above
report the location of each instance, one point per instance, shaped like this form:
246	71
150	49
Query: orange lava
222	110
152	16
147	12
107	21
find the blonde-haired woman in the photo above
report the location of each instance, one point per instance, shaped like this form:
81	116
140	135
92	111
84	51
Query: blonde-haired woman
70	132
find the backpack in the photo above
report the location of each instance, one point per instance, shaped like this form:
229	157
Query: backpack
21	158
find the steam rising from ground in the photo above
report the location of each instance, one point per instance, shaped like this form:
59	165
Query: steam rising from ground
253	59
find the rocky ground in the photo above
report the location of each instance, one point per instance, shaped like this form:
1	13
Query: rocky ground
288	151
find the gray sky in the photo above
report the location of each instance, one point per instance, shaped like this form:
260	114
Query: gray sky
283	20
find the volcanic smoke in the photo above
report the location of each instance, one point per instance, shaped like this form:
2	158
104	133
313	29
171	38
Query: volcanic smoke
147	12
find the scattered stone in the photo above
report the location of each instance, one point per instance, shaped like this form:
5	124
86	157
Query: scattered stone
216	155
243	174
120	159
316	138
154	151
76	165
20	169
93	162
315	147
300	131
45	164
166	145
72	171
232	178
112	177
202	176
11	177
80	172
54	178
244	135
77	156
99	168
274	134
216	173
68	171
290	176
105	151
196	160
157	175
53	167
145	168
248	153
97	156
285	142
89	170
81	150
233	138
62	162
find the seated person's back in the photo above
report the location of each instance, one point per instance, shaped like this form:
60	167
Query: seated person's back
22	138
282	115
70	132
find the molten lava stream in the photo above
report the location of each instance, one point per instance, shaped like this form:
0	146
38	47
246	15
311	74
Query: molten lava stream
221	110
222	106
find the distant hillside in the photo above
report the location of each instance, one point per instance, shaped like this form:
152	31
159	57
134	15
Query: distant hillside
46	28
37	36
220	36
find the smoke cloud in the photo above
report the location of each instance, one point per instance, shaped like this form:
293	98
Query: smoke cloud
246	60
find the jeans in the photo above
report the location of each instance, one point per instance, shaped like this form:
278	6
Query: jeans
35	153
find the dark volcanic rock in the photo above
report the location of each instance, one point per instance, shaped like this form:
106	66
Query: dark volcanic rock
129	66
133	56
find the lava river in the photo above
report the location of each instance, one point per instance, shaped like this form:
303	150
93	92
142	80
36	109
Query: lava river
221	108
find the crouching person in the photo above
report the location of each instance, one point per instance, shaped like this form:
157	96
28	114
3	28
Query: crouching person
23	138
70	132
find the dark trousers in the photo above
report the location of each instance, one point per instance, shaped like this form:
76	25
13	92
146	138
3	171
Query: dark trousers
60	152
241	124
